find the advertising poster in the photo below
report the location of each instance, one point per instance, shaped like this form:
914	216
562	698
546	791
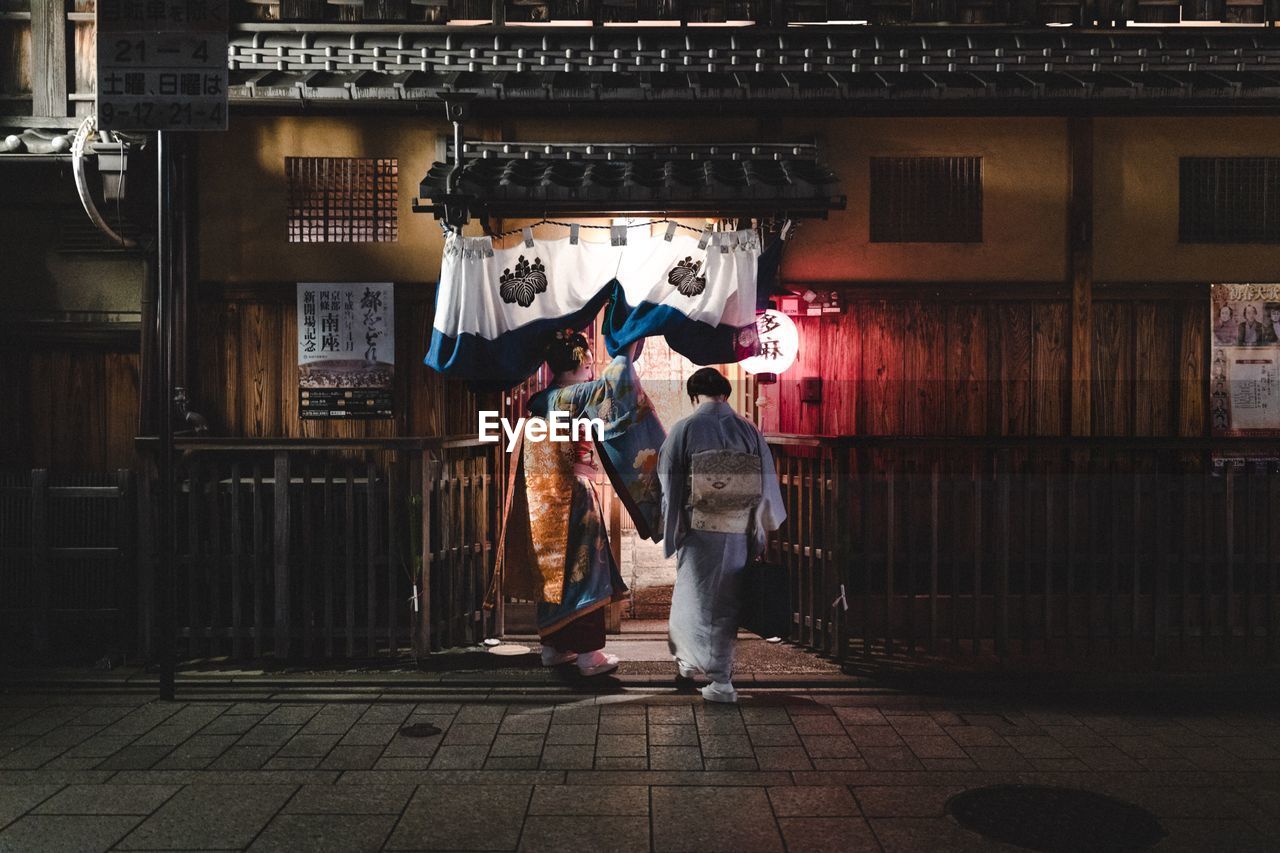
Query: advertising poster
1244	367
346	350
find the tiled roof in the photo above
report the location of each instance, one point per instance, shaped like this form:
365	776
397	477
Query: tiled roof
529	178
857	68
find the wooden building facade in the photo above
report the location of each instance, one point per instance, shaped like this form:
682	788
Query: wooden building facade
1011	429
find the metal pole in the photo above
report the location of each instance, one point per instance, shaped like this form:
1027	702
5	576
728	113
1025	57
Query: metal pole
165	592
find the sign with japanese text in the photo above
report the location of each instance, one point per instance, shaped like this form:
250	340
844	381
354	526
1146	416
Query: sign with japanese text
1244	368
346	350
162	64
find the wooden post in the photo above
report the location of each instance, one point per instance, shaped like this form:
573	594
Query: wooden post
280	555
41	564
49	58
1080	269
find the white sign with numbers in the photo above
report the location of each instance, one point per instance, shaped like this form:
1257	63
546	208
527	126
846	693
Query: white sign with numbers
162	64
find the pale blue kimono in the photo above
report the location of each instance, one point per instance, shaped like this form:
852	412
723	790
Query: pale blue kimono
712	551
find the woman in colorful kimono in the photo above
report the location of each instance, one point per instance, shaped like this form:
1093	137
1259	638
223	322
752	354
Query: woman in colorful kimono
555	546
720	498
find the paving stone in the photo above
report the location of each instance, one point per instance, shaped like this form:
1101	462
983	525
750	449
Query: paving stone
934	746
618	800
904	800
103	715
782	758
351	757
713	820
765	715
564	834
350	799
675	758
812	801
468	734
575	715
386	713
957	764
1110	758
265	735
402	762
830	746
459	758
107	799
914	834
418	747
876	736
776	735
235	724
568	756
1071	736
564	734
62	833
243	758
362	734
134	758
311	745
619	745
209	817
911	725
16	800
622	762
811	724
520	723
730	764
333	720
462	817
823	834
890	758
287	762
619	724
30	757
504	745
974	736
330	833
511	762
726	746
854	716
258	709
997	758
661	734
67	736
480	714
671	715
291	715
99	746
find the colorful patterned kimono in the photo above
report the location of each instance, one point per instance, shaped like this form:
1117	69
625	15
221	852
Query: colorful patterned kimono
720	499
554	548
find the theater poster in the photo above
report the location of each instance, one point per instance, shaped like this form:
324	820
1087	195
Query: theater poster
1244	366
346	350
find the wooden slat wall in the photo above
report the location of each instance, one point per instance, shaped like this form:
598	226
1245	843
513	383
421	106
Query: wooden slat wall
996	363
74	408
248	374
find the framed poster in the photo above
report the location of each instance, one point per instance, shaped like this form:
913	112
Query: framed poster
346	350
1244	364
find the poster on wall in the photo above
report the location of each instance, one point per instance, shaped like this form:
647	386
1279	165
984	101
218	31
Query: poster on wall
1244	367
346	350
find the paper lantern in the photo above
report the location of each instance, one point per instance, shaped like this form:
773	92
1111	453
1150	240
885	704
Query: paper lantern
779	344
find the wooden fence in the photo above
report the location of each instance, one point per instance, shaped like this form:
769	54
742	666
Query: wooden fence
326	549
66	556
1155	549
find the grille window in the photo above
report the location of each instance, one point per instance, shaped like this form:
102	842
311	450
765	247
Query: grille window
1229	200
926	199
342	199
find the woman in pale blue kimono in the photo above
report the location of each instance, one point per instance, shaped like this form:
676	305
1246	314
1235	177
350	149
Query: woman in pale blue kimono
720	499
554	545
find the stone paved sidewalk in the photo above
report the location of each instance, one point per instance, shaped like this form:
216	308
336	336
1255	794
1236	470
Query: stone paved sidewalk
851	770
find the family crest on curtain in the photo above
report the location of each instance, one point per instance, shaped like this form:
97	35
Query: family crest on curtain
497	308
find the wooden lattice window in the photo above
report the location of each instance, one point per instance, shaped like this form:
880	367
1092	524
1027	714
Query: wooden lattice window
1229	200
926	199
342	199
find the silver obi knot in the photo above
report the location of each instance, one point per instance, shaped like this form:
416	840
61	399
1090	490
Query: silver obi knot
724	490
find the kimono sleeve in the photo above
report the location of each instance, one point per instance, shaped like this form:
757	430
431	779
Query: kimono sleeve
672	470
772	509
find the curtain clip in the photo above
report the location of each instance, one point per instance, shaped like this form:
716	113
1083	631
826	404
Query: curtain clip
528	237
671	232
617	235
573	233
705	238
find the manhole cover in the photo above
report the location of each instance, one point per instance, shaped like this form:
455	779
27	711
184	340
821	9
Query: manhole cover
1058	820
420	730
